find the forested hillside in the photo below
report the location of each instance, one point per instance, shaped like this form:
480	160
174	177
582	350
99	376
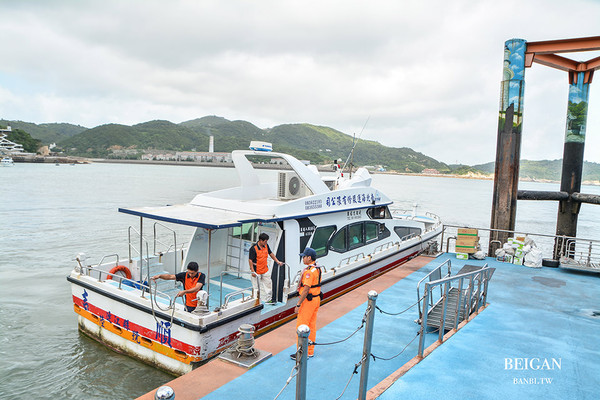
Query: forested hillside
319	144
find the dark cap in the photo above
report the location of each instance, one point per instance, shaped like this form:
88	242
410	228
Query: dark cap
309	252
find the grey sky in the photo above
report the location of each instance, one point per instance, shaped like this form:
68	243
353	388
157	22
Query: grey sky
426	73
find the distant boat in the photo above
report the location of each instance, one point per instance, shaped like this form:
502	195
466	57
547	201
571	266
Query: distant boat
7	162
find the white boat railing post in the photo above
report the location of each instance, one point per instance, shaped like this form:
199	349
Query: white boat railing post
364	370
302	361
208	268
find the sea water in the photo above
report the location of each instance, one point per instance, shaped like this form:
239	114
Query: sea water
50	213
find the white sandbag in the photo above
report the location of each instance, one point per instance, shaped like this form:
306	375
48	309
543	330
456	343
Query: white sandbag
528	242
508	249
533	259
479	255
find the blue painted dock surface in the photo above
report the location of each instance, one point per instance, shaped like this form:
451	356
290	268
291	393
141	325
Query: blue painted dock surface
540	314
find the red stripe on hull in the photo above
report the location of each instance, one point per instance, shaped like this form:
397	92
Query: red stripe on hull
137	329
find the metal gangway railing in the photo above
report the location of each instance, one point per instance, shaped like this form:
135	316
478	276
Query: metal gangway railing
460	296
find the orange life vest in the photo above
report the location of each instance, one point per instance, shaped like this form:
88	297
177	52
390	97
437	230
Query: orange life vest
311	277
262	255
190	298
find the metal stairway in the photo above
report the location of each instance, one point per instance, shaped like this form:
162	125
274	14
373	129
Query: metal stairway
434	316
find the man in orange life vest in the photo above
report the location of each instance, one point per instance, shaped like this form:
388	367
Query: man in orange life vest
309	301
192	281
257	259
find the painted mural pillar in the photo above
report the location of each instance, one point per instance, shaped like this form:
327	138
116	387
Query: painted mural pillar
508	147
568	210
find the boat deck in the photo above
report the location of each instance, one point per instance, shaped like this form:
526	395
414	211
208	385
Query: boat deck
533	314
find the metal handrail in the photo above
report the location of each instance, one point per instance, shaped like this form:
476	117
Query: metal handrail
131	228
556	255
380	247
100	263
482	276
437	269
237	292
175	269
351	257
589	258
223	273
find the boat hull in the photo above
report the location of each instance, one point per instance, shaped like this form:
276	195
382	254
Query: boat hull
126	322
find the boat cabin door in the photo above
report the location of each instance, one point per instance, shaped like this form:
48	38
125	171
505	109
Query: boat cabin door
241	238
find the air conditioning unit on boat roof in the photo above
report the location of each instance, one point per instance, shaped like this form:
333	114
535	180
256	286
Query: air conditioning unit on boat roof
290	186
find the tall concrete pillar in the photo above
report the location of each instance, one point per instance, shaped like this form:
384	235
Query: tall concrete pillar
568	210
508	147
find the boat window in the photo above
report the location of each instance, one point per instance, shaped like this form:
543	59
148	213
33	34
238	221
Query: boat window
404	232
355	236
379	213
247	231
371	231
383	232
338	242
320	239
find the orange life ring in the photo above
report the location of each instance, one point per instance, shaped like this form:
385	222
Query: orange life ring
120	268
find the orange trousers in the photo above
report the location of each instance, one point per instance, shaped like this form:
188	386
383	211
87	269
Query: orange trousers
307	315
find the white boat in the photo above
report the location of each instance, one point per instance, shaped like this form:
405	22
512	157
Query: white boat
350	224
7	162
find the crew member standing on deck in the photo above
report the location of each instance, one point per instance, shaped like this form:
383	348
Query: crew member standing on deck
192	281
257	259
310	297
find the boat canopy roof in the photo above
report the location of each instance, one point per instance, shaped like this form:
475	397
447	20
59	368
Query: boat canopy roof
192	215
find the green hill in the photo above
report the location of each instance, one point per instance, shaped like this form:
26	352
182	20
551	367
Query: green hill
163	135
319	144
46	133
545	169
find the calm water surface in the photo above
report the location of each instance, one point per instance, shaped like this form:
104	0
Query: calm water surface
49	214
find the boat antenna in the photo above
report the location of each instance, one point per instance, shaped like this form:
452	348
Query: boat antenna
354	143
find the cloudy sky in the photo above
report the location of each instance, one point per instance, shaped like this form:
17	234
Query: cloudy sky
425	74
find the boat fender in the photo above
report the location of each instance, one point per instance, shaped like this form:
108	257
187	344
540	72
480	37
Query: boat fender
120	268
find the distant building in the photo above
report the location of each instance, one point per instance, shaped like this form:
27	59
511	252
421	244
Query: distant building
203	156
430	171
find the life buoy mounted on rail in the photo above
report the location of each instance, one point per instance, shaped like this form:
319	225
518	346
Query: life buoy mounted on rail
120	268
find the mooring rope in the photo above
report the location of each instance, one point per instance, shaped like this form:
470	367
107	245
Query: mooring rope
354	372
364	321
289	379
401	312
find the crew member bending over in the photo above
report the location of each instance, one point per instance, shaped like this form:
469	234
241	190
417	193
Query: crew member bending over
257	259
192	281
309	301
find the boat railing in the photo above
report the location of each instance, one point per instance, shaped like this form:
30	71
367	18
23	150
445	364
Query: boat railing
383	247
221	275
121	280
171	246
242	292
351	259
461	301
409	236
136	250
434	275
